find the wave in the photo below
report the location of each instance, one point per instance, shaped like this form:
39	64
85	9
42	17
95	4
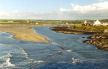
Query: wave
5	61
75	60
8	63
54	43
2	44
22	59
24	53
31	60
68	50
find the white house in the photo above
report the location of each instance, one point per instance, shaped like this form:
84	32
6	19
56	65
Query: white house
85	22
97	22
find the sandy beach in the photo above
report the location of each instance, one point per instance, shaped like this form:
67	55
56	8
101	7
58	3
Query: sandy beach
23	32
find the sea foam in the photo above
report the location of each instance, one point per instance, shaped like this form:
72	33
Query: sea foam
75	61
6	61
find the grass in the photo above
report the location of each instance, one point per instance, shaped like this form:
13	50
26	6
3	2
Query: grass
89	28
41	21
13	21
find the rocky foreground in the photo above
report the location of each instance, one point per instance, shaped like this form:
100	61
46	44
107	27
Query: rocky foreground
100	41
99	37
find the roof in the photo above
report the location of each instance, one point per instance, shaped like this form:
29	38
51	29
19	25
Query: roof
97	22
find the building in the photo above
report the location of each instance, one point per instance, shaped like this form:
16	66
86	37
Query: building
97	23
87	23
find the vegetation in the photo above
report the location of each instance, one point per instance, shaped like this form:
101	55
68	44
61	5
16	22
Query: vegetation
41	21
89	28
10	21
105	20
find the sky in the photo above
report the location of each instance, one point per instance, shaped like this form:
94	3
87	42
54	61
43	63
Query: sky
54	9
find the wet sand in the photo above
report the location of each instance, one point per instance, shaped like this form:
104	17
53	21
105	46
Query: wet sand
24	32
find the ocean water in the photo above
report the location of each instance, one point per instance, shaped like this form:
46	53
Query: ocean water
66	51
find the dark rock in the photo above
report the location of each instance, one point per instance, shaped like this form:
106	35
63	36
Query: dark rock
99	38
83	37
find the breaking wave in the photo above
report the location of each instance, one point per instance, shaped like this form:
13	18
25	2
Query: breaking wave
17	58
75	61
5	61
22	59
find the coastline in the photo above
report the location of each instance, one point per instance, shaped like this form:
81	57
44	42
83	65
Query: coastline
98	39
24	32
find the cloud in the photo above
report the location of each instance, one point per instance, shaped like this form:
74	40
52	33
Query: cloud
27	15
84	9
93	11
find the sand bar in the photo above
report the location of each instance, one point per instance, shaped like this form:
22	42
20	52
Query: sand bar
23	32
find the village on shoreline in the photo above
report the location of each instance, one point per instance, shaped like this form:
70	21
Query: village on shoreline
97	28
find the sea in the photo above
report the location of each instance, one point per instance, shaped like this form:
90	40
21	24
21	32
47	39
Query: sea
66	51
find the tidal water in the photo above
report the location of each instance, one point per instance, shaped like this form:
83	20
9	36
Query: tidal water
66	51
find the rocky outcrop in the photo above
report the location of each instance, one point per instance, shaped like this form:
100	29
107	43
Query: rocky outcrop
68	30
98	38
100	41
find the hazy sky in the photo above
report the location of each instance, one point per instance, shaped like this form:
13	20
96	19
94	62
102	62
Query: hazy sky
53	9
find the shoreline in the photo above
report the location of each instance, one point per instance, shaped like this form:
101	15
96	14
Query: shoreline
98	39
24	32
